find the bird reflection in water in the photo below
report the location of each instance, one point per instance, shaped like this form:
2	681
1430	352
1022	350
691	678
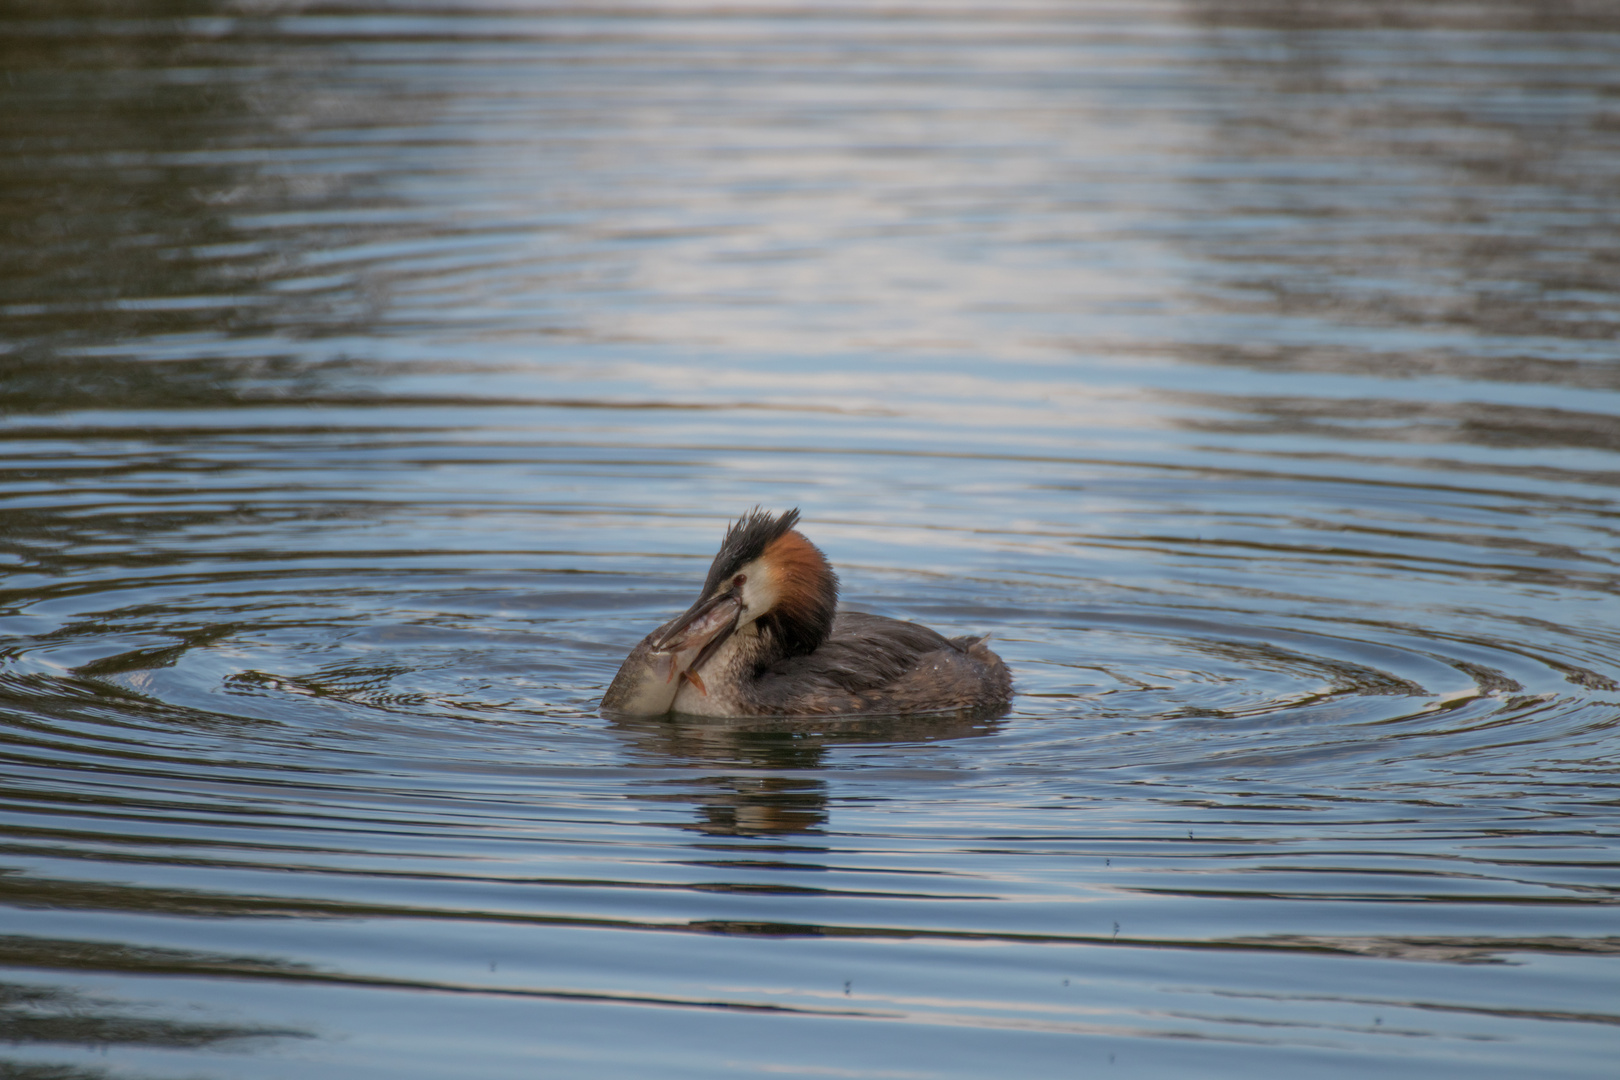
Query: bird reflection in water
759	772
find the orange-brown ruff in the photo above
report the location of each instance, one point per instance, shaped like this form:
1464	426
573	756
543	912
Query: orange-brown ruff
766	639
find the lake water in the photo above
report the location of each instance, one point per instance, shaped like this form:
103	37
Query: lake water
374	375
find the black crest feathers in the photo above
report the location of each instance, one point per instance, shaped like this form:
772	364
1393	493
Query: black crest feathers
745	541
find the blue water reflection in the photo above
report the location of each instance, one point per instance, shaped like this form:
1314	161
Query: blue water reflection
375	376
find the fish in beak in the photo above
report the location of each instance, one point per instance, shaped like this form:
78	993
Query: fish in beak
697	635
652	674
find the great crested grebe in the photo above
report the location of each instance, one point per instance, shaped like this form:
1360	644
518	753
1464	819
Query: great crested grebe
766	639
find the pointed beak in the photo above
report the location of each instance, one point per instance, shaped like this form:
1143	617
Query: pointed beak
704	628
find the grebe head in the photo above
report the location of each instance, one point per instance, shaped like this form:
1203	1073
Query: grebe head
767	582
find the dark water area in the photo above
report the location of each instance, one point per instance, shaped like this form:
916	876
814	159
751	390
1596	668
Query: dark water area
374	375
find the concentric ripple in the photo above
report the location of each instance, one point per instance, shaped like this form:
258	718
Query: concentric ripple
353	735
374	375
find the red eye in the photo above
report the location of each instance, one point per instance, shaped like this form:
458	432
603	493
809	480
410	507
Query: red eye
739	579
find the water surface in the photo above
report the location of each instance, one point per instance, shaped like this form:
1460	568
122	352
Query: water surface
375	375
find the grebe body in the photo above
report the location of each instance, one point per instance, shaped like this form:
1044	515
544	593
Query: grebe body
766	639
